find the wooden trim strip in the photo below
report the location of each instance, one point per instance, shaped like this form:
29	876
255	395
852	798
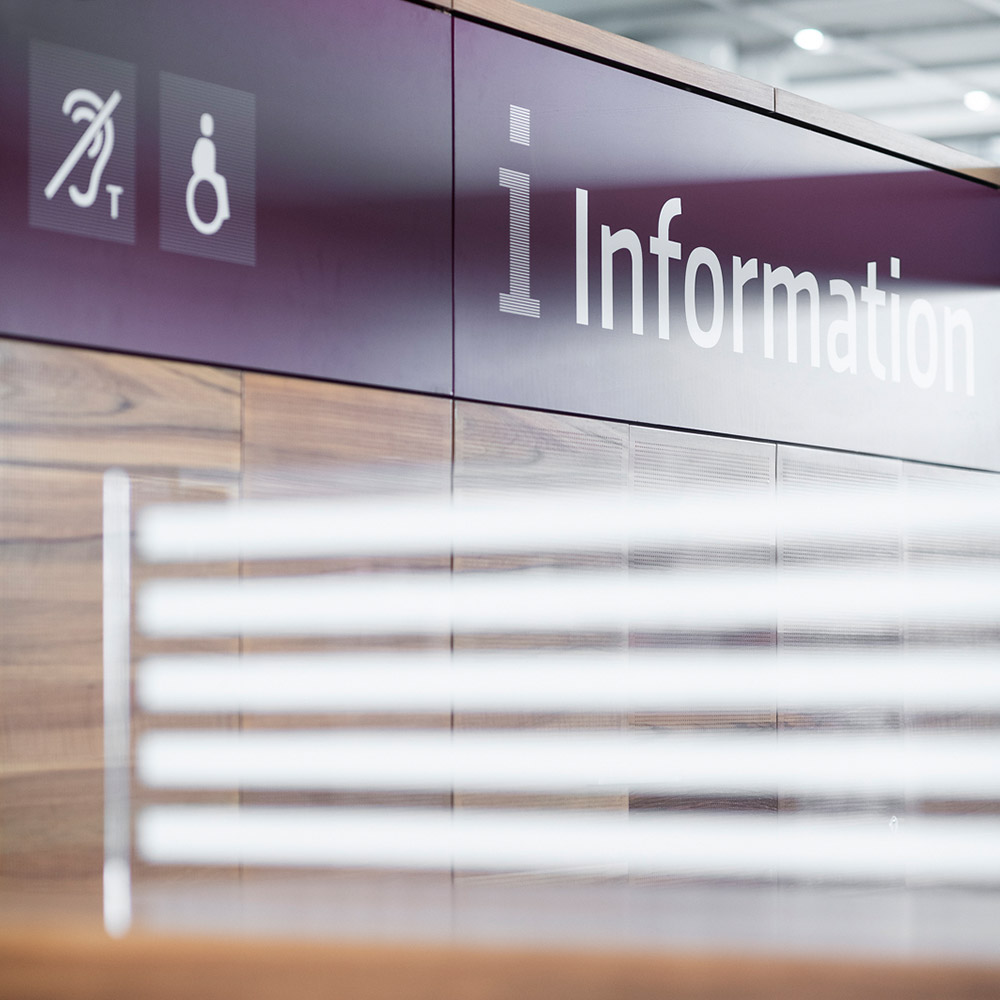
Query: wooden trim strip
849	126
629	54
40	964
615	49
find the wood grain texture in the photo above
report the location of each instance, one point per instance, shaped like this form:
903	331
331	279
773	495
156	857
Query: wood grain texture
320	440
680	471
308	439
72	408
291	437
624	52
66	415
57	962
521	455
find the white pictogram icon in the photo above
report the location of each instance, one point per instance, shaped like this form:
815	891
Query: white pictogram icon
203	167
83	105
207	170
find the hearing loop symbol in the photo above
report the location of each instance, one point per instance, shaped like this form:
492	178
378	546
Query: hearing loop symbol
203	167
98	140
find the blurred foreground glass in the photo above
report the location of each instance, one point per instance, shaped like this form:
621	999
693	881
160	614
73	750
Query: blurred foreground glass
797	741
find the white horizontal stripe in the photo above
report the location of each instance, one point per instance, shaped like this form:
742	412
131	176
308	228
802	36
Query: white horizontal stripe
944	765
587	682
722	845
516	179
434	603
519	304
260	529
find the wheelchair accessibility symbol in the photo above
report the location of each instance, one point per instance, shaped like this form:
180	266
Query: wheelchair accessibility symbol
204	170
208	188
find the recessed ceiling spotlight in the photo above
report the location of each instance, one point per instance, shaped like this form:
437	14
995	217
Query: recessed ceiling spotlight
977	100
810	39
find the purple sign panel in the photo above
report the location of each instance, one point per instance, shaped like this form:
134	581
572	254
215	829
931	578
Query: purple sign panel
627	249
256	184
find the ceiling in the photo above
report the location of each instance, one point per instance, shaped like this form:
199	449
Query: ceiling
909	64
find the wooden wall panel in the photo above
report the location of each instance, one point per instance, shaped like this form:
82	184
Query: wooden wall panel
826	479
880	914
523	455
67	415
316	438
319	440
684	473
77	409
969	545
187	432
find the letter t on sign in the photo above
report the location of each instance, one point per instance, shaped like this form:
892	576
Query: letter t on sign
518	300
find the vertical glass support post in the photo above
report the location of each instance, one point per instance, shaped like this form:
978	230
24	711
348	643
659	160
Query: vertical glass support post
117	703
